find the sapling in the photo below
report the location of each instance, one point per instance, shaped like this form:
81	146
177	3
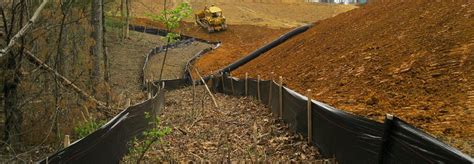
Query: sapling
171	19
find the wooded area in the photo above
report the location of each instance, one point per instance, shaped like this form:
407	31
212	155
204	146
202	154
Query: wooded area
55	66
117	81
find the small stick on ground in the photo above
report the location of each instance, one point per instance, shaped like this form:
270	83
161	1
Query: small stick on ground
207	88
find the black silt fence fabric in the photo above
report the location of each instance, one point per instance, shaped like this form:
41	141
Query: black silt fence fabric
264	91
175	84
407	144
275	99
110	143
226	88
252	88
295	111
162	32
239	86
352	139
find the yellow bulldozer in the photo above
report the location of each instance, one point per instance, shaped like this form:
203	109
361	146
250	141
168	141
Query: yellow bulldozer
211	18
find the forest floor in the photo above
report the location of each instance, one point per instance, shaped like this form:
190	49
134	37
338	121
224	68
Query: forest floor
126	61
239	129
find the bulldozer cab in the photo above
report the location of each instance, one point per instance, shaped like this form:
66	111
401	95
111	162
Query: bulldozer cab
214	11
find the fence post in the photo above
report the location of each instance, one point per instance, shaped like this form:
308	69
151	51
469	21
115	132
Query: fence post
258	88
281	96
222	79
246	83
310	120
149	89
231	84
128	103
67	141
388	125
147	84
270	91
211	83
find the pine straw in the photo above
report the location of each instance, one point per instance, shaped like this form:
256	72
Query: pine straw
240	129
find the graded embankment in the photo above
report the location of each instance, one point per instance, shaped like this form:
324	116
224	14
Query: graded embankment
411	59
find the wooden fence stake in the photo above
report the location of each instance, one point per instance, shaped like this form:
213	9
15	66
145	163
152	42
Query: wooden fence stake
147	86
246	83
388	125
128	103
211	82
223	86
281	96
310	121
258	87
149	89
270	91
231	84
67	141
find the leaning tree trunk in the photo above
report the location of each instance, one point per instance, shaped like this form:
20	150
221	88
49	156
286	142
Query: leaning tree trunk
97	48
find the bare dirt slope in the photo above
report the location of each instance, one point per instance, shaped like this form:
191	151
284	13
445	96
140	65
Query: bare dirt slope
411	59
272	13
237	42
252	24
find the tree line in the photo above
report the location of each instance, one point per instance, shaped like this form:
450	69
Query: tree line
54	59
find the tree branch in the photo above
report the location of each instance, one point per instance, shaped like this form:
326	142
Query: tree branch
67	83
23	30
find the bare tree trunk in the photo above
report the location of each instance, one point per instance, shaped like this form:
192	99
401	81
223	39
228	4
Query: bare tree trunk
167	43
106	57
127	24
122	17
97	49
59	64
13	115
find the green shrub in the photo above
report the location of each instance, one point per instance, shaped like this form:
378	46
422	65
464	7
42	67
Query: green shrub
86	128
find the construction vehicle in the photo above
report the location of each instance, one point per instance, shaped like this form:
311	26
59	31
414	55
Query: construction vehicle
211	18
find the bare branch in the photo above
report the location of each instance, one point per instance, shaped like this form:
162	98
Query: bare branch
207	88
23	30
64	80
